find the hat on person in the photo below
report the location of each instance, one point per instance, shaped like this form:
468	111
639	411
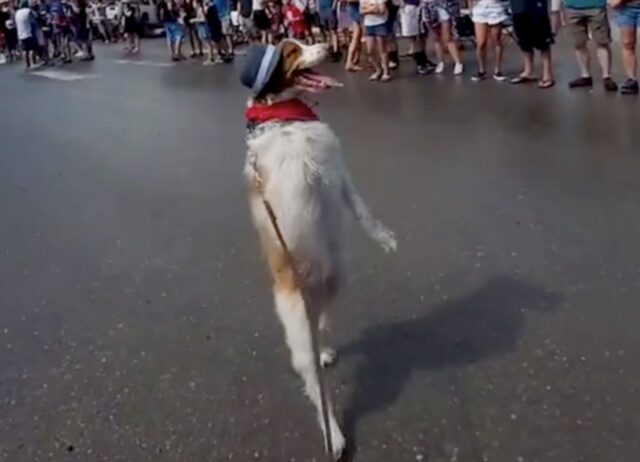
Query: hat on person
259	65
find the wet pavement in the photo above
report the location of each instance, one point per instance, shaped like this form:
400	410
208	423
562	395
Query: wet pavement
136	321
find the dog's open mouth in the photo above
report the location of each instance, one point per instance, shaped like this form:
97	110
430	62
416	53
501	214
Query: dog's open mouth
312	81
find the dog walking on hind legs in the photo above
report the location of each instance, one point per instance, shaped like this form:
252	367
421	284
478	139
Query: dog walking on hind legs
300	192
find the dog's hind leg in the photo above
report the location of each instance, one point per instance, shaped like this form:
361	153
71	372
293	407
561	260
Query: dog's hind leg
293	315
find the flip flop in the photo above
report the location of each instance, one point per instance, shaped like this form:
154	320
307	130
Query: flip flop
522	79
545	84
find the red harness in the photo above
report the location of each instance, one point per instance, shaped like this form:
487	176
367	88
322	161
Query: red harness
291	110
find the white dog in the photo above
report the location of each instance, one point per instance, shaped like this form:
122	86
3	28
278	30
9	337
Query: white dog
294	162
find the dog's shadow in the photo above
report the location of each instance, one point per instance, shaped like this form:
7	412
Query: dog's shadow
485	323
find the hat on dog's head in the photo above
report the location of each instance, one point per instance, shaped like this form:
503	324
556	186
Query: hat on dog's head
259	65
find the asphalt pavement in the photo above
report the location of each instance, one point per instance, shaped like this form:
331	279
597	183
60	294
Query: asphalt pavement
136	319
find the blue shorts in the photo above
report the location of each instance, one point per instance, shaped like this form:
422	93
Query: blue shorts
203	31
381	30
627	16
354	12
174	31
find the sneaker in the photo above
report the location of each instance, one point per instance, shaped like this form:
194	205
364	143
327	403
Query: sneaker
424	70
478	76
610	85
581	82
440	68
458	69
393	65
208	62
630	87
499	76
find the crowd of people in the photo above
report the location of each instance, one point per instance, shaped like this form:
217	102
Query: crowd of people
48	30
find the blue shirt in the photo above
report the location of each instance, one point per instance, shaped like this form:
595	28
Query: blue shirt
324	5
224	8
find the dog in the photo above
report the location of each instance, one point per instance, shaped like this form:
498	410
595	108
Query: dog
294	164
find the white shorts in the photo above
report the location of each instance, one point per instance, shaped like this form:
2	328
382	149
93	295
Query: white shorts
409	21
491	12
556	5
443	16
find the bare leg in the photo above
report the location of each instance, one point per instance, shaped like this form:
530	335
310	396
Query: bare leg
528	64
482	36
381	45
547	69
604	57
373	58
354	48
496	38
584	60
293	316
628	44
452	45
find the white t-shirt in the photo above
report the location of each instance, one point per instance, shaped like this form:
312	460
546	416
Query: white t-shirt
257	5
23	23
374	19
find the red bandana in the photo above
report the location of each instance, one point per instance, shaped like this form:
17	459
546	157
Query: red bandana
283	111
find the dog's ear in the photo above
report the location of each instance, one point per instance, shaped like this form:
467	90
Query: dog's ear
291	52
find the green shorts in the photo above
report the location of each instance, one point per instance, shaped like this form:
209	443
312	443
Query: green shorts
581	22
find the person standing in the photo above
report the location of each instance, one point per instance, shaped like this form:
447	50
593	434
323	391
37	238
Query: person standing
83	30
627	18
261	21
410	29
440	16
375	16
327	10
532	27
224	13
169	13
355	44
24	26
584	18
188	14
488	17
131	26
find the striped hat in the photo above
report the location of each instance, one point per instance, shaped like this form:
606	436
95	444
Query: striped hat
259	65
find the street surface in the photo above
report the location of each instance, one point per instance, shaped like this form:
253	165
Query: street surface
136	318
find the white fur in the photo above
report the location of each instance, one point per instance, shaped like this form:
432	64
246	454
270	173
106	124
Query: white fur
304	178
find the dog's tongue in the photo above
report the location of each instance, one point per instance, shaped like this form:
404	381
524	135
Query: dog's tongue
320	81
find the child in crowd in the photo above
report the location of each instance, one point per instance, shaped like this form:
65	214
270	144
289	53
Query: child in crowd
294	20
375	16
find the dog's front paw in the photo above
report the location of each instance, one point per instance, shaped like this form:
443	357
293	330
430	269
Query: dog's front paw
387	240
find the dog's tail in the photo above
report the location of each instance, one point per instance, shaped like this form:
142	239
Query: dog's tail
297	325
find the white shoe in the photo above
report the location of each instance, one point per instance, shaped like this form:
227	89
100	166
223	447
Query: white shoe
439	68
458	69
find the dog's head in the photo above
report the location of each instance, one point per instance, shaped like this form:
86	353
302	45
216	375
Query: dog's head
293	71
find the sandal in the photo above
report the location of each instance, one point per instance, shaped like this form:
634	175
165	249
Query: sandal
544	84
523	79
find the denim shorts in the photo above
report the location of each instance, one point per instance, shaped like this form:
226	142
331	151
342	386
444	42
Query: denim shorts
380	30
173	31
354	12
627	16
